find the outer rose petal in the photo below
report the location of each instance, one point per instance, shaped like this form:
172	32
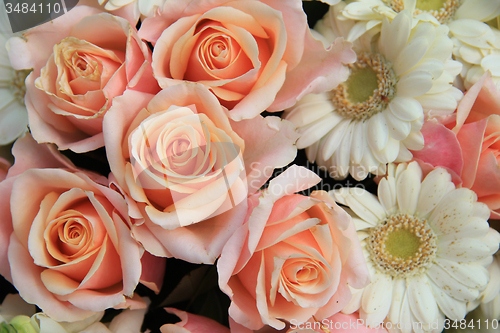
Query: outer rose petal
192	323
441	147
269	144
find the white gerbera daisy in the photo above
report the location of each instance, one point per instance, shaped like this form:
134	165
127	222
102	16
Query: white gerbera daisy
442	11
375	117
477	46
425	243
13	113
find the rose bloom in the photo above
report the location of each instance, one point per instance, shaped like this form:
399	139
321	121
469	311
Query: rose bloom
471	148
253	55
293	258
181	164
68	249
80	63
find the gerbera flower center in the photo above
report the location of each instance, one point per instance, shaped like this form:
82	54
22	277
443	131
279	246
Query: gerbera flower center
369	88
402	245
18	87
442	10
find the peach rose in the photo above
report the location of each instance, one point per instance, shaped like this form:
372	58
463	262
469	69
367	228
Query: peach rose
191	323
80	63
472	148
253	55
70	250
182	167
293	258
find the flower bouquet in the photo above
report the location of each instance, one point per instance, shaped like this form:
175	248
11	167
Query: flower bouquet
250	166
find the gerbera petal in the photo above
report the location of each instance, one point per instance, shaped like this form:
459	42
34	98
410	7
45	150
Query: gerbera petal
398	129
421	299
407	191
414	84
398	293
406	109
412	53
450	286
358	143
332	141
396	35
387	194
378	132
434	187
315	131
471	275
463	250
452	308
376	293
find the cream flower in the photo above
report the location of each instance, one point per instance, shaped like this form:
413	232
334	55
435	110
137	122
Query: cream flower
476	45
426	244
146	8
442	11
13	114
489	300
375	116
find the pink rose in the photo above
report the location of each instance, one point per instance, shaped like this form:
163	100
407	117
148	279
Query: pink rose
80	63
70	250
181	164
472	148
293	258
191	323
253	55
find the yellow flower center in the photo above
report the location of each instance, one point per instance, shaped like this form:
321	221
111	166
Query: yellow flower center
18	87
369	88
402	245
442	10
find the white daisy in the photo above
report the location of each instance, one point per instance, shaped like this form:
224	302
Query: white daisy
442	11
13	113
425	243
375	117
476	45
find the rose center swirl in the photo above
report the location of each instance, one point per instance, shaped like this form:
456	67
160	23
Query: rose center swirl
369	88
442	10
403	245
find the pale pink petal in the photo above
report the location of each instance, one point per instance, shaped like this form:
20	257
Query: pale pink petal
195	323
470	138
153	270
441	147
269	144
